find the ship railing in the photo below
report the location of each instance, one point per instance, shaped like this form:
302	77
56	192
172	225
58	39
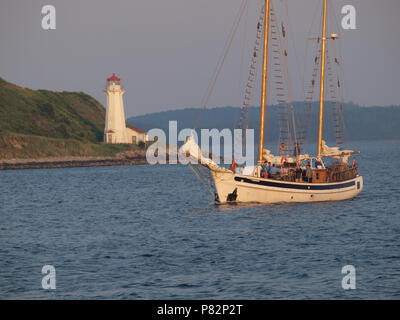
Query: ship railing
333	175
342	175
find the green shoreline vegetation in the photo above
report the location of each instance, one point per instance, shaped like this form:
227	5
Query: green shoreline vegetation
19	146
39	123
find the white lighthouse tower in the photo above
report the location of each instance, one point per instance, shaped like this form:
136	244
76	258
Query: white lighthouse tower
115	128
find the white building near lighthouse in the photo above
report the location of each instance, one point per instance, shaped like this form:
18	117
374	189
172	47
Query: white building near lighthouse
115	130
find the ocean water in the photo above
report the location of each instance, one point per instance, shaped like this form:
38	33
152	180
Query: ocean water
153	232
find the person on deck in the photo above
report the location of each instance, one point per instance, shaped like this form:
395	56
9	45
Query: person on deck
284	170
299	173
269	168
234	165
274	170
282	149
318	164
309	173
264	169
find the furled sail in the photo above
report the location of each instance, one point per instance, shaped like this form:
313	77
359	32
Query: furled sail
336	153
278	160
191	149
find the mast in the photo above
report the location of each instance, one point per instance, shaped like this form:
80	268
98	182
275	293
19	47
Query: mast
264	82
321	93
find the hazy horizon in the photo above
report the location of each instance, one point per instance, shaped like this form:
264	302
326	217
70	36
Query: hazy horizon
165	51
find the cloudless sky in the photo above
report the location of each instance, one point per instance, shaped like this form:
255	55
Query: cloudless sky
166	50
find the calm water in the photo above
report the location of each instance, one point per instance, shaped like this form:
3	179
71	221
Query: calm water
153	232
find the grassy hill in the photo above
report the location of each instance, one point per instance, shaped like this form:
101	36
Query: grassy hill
42	123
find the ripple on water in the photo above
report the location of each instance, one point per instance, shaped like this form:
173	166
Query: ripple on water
152	232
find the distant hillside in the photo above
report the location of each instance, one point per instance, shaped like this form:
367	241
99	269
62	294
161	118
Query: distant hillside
41	123
361	123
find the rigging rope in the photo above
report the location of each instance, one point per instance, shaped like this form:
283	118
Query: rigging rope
340	72
250	85
241	62
205	185
309	85
280	78
221	60
285	45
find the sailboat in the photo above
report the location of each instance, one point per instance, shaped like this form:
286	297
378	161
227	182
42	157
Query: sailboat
301	178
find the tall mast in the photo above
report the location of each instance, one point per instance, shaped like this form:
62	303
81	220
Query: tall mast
264	82
321	93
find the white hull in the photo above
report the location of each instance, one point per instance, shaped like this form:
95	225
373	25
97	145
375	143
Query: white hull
253	189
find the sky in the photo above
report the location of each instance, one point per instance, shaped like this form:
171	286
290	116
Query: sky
165	51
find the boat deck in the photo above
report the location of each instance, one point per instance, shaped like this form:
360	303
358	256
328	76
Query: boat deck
323	175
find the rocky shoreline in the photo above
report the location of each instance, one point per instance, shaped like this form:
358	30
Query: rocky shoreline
122	159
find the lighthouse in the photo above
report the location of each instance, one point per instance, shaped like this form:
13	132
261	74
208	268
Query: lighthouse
115	127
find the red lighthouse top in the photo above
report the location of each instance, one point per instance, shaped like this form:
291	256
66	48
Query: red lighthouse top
113	80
